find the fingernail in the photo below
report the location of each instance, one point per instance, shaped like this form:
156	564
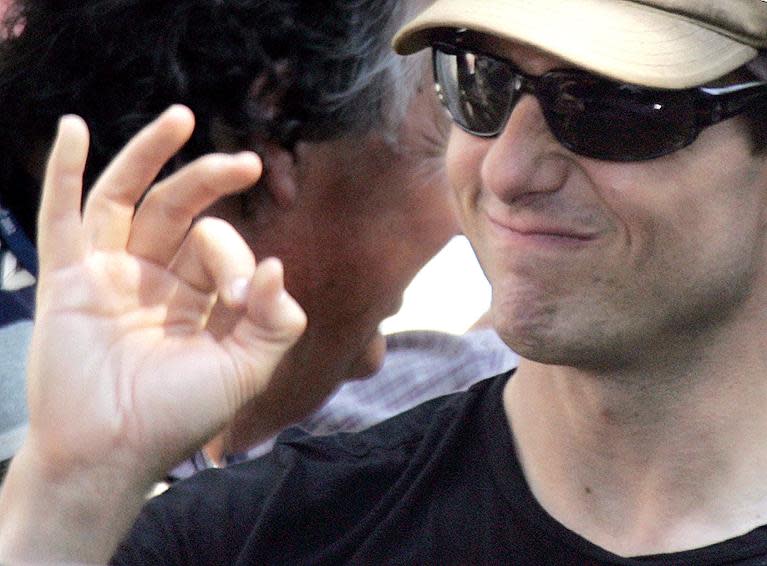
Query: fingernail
68	119
249	156
238	290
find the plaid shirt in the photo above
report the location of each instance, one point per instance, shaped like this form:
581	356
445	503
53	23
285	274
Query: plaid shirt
419	365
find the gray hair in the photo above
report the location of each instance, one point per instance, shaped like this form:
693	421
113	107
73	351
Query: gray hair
378	90
404	73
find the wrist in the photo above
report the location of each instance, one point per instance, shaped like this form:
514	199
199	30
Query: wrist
51	514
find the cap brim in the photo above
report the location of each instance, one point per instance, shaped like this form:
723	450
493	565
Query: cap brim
623	40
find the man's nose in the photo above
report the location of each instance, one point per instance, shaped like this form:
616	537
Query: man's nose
525	159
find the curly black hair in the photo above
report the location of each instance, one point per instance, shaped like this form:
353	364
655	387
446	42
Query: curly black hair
278	70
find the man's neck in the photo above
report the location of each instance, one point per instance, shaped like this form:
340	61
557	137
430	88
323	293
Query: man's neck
657	459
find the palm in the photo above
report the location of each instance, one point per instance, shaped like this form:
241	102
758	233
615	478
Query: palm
122	367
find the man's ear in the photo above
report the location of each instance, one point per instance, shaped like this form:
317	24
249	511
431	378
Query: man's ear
280	174
279	177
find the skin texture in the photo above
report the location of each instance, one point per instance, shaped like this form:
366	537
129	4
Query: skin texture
582	248
635	293
366	216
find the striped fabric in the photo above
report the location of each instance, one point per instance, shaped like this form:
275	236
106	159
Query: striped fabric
419	366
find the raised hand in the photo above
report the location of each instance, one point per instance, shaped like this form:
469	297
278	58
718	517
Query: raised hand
124	379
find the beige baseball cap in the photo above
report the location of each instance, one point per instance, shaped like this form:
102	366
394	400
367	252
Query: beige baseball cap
658	43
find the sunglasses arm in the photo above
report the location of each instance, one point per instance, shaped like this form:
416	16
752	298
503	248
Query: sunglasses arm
721	103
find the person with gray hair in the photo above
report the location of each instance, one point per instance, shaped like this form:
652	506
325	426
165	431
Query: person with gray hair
342	124
609	161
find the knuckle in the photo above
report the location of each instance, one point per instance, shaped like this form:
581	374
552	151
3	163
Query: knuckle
212	227
212	166
217	237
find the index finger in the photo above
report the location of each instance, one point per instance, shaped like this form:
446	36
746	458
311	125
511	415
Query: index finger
111	204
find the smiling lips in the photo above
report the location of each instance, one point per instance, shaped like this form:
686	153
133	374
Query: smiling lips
541	230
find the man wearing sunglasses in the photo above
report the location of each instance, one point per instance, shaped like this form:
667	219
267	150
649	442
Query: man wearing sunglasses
610	164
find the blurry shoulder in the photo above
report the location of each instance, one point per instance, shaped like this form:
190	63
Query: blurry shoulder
383	449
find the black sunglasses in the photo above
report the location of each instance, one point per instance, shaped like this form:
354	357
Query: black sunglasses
589	115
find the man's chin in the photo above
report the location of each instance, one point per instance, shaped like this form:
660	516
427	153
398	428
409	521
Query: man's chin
371	359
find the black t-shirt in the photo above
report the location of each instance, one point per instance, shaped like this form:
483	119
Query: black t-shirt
439	484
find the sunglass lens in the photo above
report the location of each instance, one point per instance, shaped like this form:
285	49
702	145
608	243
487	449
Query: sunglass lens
475	89
615	122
